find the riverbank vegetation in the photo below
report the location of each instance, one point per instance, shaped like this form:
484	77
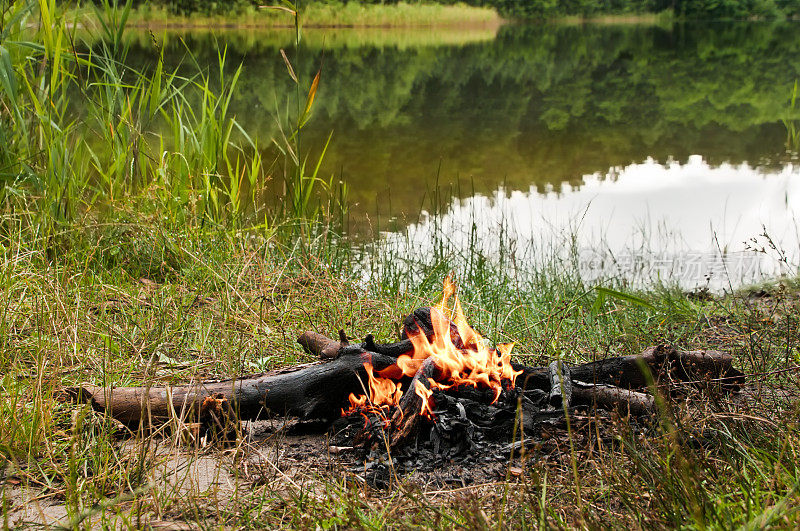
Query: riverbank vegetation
135	247
446	12
316	15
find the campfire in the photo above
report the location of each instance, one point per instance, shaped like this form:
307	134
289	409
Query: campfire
440	392
448	359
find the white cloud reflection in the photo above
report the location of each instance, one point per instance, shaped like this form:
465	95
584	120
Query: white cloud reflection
682	221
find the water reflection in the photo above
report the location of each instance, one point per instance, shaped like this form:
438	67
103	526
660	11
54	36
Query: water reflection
526	123
532	105
690	223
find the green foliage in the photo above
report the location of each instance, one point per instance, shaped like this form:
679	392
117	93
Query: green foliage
208	7
690	9
555	8
84	130
521	9
693	9
729	9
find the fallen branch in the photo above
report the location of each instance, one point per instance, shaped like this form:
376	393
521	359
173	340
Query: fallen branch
323	346
315	390
612	398
327	348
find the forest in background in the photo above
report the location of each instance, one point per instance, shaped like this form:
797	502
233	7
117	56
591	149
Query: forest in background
532	9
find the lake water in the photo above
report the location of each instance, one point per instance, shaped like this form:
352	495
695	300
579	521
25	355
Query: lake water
651	150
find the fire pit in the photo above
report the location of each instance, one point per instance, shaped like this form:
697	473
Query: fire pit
441	393
451	386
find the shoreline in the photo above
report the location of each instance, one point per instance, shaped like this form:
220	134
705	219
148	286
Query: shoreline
351	16
358	17
316	26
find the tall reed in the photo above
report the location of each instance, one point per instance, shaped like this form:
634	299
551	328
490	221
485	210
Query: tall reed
83	132
302	180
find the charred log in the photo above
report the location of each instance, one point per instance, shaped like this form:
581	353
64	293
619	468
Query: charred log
420	321
315	390
407	418
661	365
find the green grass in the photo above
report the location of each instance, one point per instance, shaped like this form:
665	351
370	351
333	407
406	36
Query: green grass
316	38
134	251
84	315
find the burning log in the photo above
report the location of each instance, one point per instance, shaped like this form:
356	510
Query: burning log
416	401
315	390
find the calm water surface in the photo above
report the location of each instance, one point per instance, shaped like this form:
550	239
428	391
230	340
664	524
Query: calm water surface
661	150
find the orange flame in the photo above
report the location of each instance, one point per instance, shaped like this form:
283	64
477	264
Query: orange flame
382	392
425	394
466	359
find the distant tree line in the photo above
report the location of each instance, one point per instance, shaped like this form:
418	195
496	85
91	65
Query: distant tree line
705	9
